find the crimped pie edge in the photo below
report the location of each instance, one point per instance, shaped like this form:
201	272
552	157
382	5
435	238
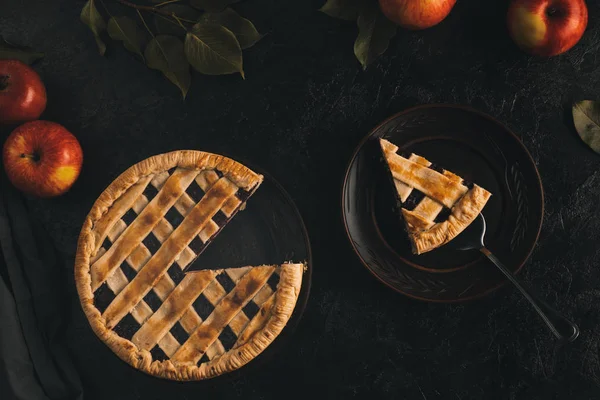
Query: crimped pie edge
287	290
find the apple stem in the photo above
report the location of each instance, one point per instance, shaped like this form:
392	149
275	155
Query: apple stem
34	157
3	82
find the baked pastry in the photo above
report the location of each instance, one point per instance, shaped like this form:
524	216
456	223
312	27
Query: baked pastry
436	205
142	232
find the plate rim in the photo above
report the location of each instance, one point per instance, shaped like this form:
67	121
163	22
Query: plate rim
480	114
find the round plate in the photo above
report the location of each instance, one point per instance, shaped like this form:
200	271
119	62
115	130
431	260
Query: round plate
474	146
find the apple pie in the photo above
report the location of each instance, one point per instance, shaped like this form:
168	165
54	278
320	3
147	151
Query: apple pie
143	231
436	204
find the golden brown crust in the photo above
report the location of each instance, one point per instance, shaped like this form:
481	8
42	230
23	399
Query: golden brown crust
285	296
428	181
201	339
290	281
159	263
150	216
462	215
172	309
440	189
284	304
402	188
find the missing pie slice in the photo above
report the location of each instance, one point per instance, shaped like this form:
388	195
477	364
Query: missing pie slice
141	234
436	205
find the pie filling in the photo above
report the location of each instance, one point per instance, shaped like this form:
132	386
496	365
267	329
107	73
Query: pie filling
436	204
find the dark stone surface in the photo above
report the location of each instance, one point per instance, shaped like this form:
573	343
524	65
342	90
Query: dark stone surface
299	114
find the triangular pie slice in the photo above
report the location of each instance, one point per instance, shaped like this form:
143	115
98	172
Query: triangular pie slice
436	205
145	228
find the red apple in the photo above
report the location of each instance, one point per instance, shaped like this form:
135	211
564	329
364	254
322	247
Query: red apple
547	27
22	93
42	158
416	14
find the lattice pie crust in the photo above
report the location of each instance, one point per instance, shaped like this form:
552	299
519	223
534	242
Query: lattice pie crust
144	229
441	190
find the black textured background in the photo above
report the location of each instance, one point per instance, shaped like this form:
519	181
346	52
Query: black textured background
300	112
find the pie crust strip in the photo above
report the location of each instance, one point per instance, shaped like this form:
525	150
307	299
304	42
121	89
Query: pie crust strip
240	322
402	188
163	288
462	215
427	208
119	208
431	183
208	178
117	281
190	320
141	312
172	309
159	263
214	293
424	214
261	330
151	215
259	320
197	344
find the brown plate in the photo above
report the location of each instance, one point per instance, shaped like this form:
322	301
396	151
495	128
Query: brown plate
472	145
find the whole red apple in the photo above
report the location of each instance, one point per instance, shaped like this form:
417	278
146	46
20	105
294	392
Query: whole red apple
22	93
416	14
547	27
42	158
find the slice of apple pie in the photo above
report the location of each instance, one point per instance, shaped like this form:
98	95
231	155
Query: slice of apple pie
436	205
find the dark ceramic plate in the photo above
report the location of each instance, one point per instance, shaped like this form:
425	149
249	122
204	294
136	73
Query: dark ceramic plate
472	145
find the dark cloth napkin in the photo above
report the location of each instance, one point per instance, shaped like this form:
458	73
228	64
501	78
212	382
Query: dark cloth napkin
34	308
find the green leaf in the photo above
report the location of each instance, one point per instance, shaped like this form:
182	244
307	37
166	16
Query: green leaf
343	9
213	50
243	29
170	27
9	51
93	19
165	53
586	116
126	30
212	5
374	34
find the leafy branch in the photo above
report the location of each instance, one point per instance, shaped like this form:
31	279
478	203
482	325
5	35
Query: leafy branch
204	34
374	30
